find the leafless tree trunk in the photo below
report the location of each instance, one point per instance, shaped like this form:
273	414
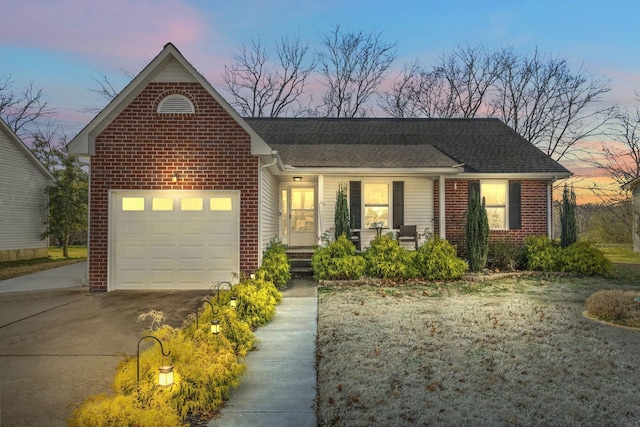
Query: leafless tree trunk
261	88
21	110
352	66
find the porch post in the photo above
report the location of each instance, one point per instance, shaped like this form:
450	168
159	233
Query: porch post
442	216
320	198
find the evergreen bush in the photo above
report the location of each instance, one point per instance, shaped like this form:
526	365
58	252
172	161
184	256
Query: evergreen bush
341	216
584	258
542	253
436	259
275	264
569	233
337	261
477	232
386	259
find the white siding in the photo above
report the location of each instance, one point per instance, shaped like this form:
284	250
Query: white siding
269	209
174	72
23	202
418	201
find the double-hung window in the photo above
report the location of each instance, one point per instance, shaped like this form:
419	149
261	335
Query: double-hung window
495	193
376	204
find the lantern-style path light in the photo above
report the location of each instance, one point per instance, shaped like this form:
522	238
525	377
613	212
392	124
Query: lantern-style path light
215	323
165	374
233	302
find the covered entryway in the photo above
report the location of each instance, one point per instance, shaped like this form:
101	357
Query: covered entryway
173	239
298	216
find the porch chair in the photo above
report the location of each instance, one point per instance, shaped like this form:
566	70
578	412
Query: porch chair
408	233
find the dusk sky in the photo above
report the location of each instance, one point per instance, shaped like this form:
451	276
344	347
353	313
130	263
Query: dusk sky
61	45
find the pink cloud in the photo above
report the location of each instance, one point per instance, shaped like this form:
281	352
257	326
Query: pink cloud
115	29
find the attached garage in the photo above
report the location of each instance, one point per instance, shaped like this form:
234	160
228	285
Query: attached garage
173	239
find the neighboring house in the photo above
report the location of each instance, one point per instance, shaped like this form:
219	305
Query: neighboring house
23	201
185	192
634	187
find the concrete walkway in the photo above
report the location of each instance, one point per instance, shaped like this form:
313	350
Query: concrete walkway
69	276
279	388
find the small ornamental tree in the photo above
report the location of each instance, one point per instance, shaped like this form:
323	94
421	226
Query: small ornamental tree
569	234
477	232
342	221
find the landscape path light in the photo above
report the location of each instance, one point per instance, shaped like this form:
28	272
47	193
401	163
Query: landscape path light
233	302
215	323
165	373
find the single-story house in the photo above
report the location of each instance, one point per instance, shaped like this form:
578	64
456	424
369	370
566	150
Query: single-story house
185	192
23	201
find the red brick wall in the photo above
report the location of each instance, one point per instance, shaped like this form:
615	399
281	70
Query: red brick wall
141	149
533	210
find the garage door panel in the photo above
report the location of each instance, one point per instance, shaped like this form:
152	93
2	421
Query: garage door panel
174	249
161	252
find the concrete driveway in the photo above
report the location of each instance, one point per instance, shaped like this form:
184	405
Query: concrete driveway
59	346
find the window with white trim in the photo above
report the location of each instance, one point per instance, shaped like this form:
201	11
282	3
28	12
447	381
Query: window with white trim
495	194
376	204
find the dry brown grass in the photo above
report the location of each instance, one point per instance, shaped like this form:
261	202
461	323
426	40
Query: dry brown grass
512	352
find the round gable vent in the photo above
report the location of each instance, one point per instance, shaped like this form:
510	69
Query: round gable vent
176	104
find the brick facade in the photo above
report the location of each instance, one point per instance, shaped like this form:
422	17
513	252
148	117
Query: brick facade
141	149
533	213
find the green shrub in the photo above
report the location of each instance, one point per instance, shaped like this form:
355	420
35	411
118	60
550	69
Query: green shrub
584	258
615	306
477	232
542	254
436	259
505	256
337	261
386	259
275	264
256	301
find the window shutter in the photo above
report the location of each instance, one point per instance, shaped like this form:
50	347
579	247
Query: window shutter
355	203
515	213
398	204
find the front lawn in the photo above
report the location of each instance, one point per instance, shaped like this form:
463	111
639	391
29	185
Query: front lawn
13	269
516	351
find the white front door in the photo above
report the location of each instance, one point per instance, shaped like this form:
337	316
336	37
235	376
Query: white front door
299	216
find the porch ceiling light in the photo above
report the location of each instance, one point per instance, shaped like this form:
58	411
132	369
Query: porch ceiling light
297	178
165	374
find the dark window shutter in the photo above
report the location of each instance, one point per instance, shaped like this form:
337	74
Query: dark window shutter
474	187
355	203
398	204
515	222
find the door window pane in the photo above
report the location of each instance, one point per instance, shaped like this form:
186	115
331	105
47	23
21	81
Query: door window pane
133	203
191	204
162	204
220	204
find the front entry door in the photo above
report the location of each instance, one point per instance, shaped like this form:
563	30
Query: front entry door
298	207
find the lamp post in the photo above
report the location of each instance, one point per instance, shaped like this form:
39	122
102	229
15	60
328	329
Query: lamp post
215	323
165	374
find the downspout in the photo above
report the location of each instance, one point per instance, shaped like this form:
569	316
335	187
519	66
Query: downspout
274	154
550	207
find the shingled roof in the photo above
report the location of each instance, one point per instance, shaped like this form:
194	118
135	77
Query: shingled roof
483	145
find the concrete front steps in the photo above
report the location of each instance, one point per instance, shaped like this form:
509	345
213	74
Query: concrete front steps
300	260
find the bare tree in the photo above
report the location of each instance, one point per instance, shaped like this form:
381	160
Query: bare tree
620	158
550	105
542	98
262	88
352	66
21	110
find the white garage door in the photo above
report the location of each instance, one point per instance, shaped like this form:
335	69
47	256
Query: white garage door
173	239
